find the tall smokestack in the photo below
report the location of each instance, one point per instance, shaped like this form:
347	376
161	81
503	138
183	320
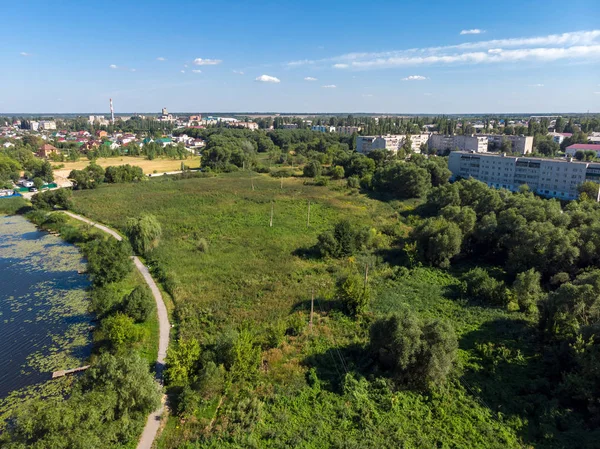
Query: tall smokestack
112	112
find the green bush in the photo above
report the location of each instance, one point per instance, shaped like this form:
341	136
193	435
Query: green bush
202	245
108	260
144	233
417	354
343	241
295	324
352	291
119	331
52	198
480	285
139	304
354	182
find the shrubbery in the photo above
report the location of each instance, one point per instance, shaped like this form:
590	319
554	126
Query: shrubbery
108	260
52	198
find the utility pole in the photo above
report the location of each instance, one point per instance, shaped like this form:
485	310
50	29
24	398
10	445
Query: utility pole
308	215
312	308
252	180
281	185
271	222
366	274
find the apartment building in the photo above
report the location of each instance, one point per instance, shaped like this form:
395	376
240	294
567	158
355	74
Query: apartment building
417	140
442	142
520	144
572	149
323	128
347	130
365	144
556	178
47	124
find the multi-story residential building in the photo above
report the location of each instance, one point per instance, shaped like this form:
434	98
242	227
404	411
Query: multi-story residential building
442	142
248	125
572	149
34	126
347	130
417	140
559	137
557	178
47	124
365	144
323	128
520	144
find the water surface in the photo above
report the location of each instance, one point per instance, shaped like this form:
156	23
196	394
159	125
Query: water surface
44	322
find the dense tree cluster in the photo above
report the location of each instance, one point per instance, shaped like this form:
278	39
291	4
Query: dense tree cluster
94	175
144	233
52	198
108	260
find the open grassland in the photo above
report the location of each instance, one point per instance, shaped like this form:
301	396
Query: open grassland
252	274
158	165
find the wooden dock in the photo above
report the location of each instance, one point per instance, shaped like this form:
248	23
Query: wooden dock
64	372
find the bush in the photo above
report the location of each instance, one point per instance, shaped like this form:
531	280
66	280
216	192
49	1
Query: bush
52	198
295	324
321	181
354	182
182	362
352	291
108	260
337	172
144	233
282	173
118	331
105	300
139	304
343	241
480	285
202	245
438	241
312	169
123	173
417	354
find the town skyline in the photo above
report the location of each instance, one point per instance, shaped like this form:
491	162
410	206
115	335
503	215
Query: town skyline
457	59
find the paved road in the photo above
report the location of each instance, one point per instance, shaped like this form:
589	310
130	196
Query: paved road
153	422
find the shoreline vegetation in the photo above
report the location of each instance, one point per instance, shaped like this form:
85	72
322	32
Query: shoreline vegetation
124	352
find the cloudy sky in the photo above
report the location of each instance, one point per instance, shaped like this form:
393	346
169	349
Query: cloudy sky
381	56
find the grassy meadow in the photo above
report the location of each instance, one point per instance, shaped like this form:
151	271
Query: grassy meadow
224	267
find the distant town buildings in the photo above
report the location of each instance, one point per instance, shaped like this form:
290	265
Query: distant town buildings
165	116
572	149
390	142
323	128
248	125
47	150
347	130
289	126
98	120
47	124
557	178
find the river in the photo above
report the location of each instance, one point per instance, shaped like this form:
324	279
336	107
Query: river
44	319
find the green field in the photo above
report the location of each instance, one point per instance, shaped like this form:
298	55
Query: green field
255	276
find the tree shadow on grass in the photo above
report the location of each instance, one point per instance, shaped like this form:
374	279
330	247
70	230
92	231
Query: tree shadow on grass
507	375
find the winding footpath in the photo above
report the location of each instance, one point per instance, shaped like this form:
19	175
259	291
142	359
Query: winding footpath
153	422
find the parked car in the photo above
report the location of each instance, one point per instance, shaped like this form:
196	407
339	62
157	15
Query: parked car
27	184
33	189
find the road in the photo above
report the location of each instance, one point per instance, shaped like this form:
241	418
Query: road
153	422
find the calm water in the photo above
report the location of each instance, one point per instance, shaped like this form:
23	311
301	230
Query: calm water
44	323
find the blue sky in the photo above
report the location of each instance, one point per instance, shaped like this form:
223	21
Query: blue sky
381	56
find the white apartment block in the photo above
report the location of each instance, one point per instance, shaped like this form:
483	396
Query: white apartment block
364	144
47	124
556	178
442	142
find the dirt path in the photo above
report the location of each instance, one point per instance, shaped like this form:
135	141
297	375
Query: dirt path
153	422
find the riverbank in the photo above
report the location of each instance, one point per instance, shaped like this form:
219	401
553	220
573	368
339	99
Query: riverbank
123	356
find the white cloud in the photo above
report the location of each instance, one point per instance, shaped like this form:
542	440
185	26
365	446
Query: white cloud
428	94
310	78
25	54
597	93
340	66
132	70
160	58
238	72
113	66
200	61
196	71
329	86
414	78
183	71
268	79
367	95
583	45
536	85
185	65
473	31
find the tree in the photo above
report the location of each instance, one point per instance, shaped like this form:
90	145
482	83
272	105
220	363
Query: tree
481	286
403	180
144	233
182	362
52	198
108	260
337	172
139	304
527	291
88	178
589	189
354	293
312	169
38	183
417	354
119	330
438	241
343	241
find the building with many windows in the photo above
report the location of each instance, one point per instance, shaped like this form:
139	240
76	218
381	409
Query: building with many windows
557	178
442	142
520	144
